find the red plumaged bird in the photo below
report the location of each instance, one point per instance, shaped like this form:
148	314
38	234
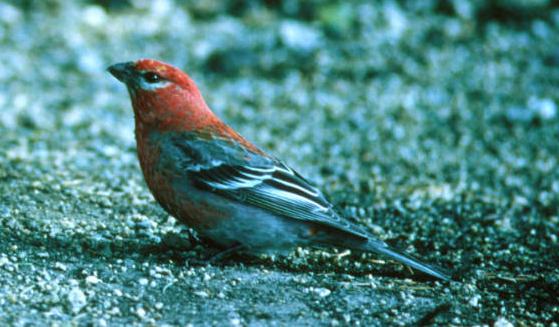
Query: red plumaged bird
210	178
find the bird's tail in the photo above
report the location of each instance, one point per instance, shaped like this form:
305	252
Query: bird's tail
383	248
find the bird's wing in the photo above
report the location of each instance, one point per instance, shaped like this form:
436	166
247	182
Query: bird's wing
276	188
264	182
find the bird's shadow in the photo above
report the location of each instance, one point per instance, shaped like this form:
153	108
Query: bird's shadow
193	252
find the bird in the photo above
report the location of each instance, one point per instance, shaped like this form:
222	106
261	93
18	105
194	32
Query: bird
210	178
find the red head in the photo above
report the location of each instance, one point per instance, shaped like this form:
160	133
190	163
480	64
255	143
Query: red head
164	97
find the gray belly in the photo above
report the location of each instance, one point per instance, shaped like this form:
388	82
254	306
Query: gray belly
230	223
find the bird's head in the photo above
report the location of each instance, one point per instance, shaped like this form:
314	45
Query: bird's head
163	96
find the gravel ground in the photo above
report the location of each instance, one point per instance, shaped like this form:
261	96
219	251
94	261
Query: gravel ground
433	123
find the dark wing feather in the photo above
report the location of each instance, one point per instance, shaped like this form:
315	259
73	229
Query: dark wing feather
274	187
232	171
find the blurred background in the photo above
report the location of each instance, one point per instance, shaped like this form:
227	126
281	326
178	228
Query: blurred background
434	123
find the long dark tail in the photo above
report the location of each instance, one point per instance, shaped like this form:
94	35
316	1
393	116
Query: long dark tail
383	248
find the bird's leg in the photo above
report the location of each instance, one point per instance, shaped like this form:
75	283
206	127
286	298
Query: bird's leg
224	253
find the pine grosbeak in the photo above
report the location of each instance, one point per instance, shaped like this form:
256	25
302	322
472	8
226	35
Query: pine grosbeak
209	177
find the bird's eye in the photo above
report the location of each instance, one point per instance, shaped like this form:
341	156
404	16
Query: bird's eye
152	77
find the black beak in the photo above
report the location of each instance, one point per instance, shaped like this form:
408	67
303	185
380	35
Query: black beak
123	71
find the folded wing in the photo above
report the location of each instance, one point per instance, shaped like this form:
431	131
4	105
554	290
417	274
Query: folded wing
274	187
